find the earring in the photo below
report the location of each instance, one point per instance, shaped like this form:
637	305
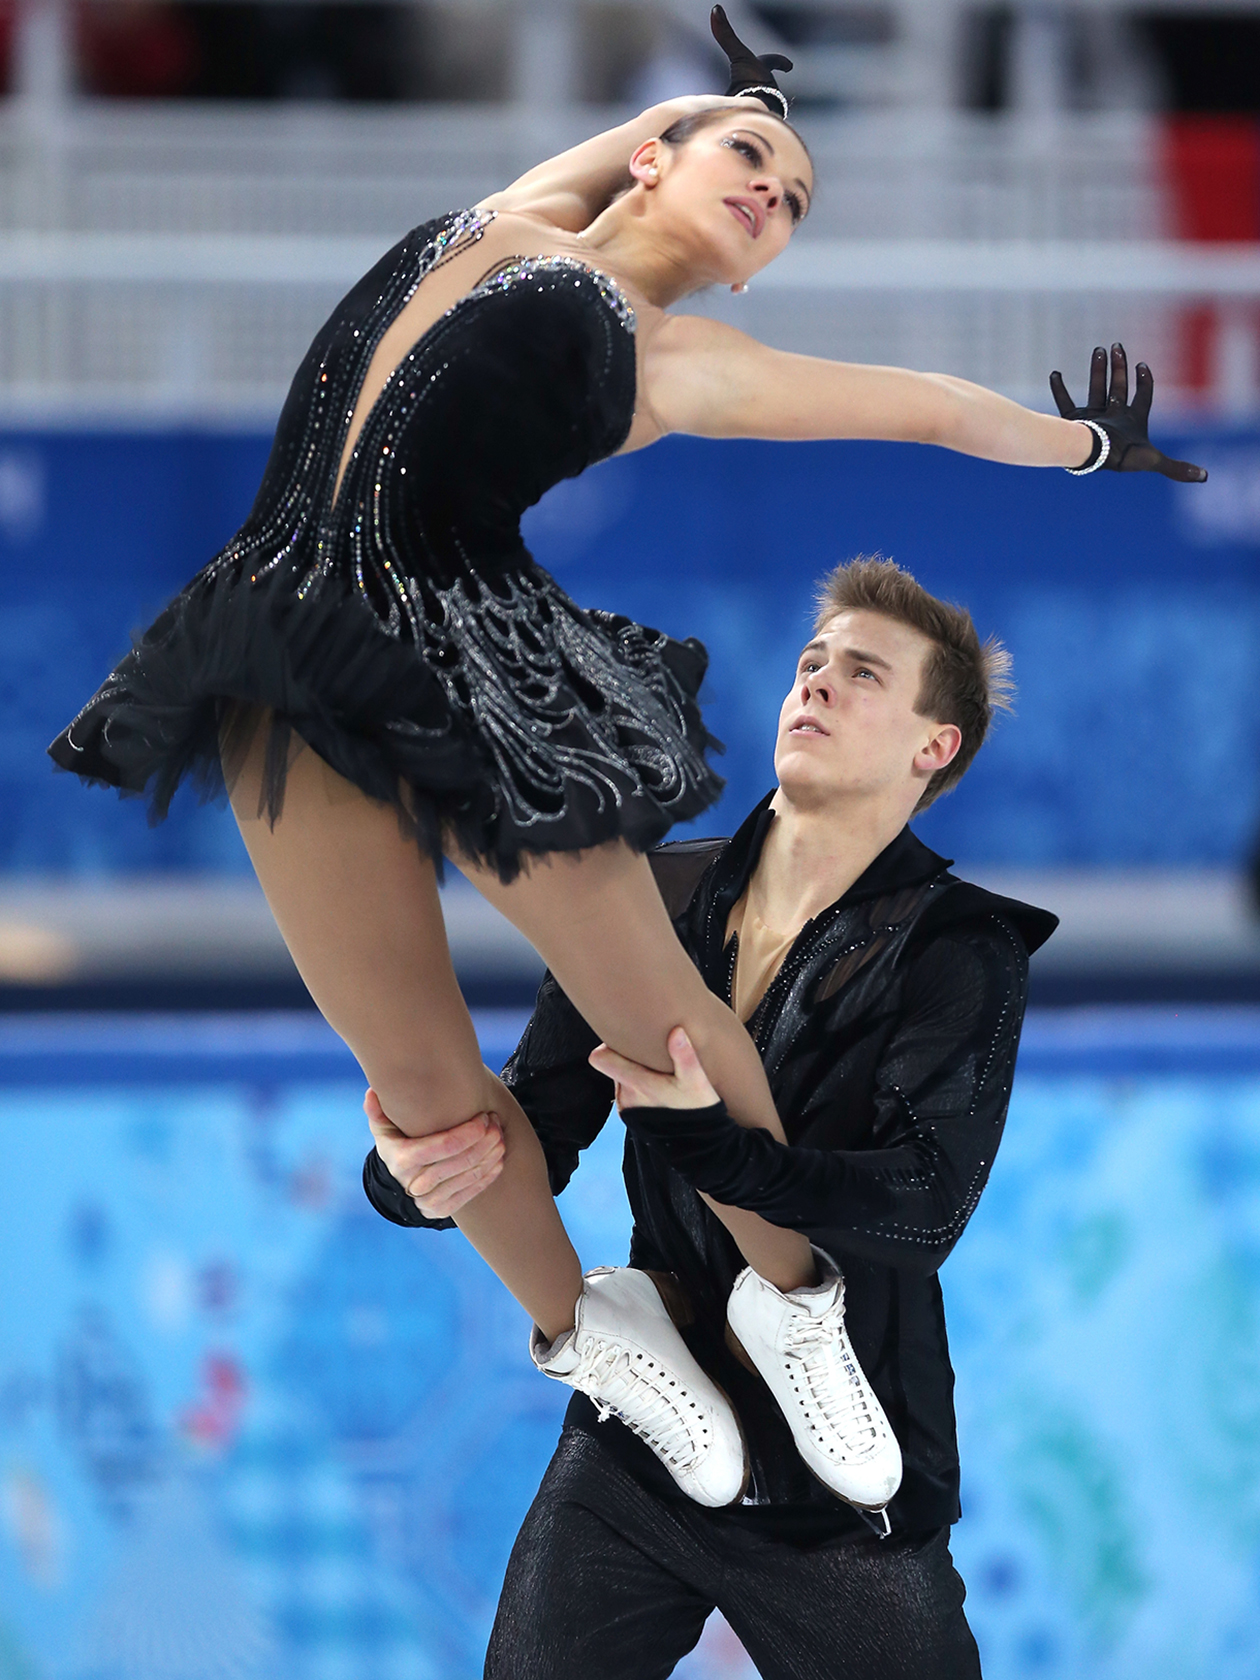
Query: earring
740	287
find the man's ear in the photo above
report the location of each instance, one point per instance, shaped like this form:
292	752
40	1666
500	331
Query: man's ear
645	163
940	750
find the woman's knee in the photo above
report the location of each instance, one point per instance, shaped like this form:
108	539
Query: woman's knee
712	1027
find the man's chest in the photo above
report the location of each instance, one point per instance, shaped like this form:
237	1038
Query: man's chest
822	1046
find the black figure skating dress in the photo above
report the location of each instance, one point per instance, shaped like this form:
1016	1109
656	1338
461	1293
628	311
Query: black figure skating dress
405	633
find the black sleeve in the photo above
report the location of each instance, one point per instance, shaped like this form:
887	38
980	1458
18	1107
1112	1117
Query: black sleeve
566	1100
391	1201
942	1088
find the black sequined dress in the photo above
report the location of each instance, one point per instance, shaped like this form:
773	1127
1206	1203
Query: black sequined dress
404	631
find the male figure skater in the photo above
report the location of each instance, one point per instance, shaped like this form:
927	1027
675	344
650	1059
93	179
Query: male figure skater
886	997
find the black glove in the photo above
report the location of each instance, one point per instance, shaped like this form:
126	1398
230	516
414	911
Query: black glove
1123	421
747	70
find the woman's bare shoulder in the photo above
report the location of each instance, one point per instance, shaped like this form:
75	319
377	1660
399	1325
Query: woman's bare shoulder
556	211
521	221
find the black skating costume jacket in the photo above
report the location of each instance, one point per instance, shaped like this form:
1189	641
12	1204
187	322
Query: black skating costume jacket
889	1036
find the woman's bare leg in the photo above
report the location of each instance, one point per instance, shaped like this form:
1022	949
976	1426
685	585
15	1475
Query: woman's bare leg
598	922
358	906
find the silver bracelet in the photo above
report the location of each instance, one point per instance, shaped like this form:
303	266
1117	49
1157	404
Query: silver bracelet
774	92
1104	439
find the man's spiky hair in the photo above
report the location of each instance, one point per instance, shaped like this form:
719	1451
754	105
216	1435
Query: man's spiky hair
965	681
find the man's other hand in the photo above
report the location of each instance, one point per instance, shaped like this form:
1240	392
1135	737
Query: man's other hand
443	1171
642	1087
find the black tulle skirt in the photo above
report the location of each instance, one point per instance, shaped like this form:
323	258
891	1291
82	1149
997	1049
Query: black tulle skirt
515	723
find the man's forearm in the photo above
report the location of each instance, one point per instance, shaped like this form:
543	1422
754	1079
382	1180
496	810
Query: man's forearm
904	1206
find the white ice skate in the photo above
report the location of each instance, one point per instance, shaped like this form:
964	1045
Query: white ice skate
799	1345
626	1355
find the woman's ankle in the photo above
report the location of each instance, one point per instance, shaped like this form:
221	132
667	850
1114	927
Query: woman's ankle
552	1333
787	1278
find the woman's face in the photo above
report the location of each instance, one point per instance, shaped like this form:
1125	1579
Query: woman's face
736	190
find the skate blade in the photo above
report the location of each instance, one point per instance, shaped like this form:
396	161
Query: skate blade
875	1515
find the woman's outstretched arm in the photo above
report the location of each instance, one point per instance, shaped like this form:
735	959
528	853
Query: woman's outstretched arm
707	378
570	189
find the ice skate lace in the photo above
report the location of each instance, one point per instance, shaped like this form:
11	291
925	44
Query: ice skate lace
637	1389
825	1374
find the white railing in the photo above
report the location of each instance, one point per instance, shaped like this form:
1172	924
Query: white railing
100	324
169	261
294	169
1004	312
973	267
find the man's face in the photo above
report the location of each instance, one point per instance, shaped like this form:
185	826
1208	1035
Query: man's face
848	727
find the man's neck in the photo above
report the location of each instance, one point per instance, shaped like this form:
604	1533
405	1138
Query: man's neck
812	857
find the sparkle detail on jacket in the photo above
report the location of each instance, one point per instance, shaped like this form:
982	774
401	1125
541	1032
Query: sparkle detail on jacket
889	1036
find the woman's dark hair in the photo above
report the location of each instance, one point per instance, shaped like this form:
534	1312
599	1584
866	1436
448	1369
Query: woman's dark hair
683	129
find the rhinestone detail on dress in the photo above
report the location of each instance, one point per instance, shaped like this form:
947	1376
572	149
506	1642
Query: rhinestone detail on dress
526	268
398	623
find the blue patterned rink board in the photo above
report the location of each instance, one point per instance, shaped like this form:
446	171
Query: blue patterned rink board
248	1431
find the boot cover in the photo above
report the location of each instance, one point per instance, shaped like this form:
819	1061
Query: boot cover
799	1345
625	1354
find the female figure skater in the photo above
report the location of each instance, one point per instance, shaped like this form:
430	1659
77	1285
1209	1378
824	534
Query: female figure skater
379	608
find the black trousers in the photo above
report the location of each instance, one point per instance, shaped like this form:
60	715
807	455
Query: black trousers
608	1582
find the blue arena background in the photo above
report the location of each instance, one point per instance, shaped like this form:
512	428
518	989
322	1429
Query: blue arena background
1132	607
248	1430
